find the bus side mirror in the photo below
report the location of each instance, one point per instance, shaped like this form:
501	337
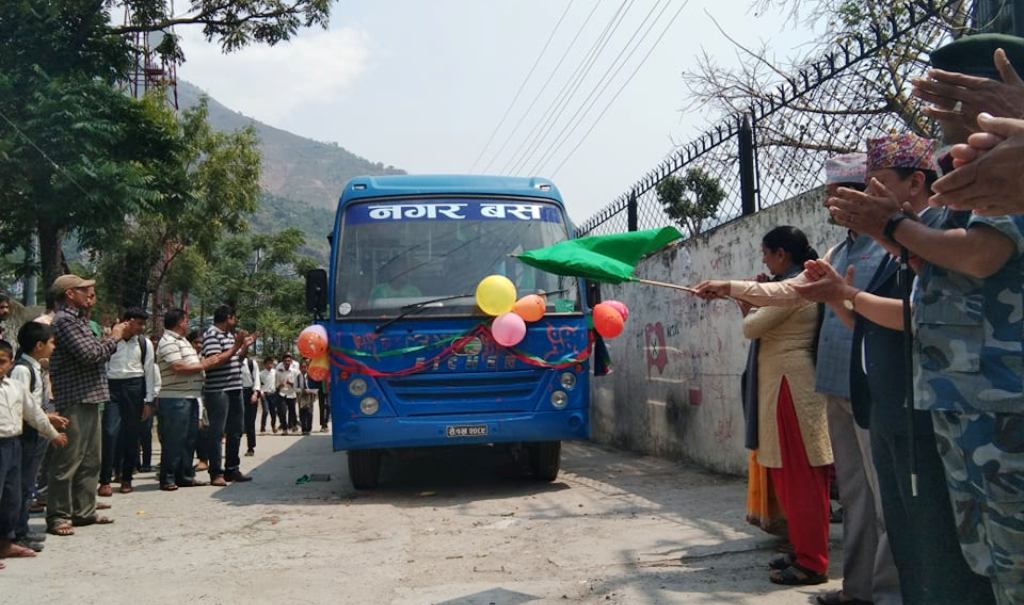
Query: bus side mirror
316	292
593	293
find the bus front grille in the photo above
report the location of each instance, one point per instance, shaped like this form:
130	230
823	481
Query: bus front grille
510	390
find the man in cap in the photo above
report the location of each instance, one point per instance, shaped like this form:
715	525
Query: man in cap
969	357
77	372
968	89
869	574
921	530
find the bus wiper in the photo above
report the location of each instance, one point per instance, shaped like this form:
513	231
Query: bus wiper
413	308
408	310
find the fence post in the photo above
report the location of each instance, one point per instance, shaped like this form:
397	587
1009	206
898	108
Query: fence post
631	211
748	188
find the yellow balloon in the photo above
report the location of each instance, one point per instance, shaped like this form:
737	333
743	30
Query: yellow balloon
496	294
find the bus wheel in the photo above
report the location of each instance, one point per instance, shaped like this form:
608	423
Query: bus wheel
364	468
545	459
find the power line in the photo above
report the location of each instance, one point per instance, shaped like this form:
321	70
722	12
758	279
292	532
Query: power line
543	87
522	85
568	90
602	84
621	88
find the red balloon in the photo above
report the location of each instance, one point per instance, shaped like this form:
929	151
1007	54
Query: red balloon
608	321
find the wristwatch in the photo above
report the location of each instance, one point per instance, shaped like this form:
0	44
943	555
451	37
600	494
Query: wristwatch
890	226
848	303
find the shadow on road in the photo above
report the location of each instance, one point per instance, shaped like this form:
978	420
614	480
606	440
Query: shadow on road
434	477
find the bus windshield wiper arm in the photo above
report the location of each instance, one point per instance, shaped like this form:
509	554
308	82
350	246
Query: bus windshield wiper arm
413	308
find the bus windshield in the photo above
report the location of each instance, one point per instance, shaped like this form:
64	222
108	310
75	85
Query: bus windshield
396	253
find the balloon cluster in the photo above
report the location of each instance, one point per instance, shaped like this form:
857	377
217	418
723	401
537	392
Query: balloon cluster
496	296
312	344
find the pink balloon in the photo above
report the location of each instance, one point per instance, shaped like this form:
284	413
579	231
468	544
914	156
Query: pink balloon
620	307
508	329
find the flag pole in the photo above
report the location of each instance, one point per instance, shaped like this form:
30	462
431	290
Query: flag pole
661	284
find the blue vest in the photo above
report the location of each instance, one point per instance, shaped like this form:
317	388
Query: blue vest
835	341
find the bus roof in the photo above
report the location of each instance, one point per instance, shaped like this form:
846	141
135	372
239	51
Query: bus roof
364	187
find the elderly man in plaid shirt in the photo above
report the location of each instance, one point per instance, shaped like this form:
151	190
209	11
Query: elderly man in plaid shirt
78	375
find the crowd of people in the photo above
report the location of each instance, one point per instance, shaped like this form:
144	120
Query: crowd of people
77	404
932	492
899	355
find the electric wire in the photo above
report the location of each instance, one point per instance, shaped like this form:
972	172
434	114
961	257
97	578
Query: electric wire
602	84
565	93
543	86
522	86
621	88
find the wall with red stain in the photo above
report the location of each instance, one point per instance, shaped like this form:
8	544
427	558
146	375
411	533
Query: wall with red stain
675	388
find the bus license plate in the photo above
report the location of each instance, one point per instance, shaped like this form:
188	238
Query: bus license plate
471	430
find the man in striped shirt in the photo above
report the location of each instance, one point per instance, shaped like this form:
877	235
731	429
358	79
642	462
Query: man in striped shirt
222	395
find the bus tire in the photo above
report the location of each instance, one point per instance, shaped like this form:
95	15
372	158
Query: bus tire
364	468
545	460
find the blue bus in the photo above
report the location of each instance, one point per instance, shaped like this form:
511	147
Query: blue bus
413	363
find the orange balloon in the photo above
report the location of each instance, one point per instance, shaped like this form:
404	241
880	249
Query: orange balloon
530	307
319	369
608	321
312	341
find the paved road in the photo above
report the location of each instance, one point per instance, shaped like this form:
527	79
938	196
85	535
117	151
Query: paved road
451	527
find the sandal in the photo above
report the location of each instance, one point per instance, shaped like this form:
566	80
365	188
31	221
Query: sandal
782	562
61	529
795	575
17	551
93	520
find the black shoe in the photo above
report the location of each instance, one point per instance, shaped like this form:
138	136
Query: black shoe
145	469
236	476
250	453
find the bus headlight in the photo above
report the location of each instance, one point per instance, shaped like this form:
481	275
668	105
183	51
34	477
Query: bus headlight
357	388
568	381
369	406
559	399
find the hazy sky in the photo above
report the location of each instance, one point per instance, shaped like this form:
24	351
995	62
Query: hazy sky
423	84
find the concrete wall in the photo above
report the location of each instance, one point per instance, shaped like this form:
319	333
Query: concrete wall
675	389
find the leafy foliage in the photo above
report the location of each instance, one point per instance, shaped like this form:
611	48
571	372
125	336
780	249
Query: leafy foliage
214	178
691	199
260	275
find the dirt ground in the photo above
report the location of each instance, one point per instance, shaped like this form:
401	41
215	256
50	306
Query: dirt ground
452	527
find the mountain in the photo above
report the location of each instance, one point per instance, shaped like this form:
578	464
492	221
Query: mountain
302	178
294	167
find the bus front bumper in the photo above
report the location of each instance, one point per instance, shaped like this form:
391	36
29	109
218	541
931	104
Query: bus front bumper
398	432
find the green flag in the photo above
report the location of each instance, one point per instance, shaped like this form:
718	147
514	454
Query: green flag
603	258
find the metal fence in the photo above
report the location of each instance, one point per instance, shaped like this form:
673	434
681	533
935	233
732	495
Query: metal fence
777	148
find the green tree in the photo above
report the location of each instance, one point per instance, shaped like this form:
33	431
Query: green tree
691	199
215	180
261	276
77	156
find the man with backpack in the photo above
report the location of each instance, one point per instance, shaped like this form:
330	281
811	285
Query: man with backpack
134	385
